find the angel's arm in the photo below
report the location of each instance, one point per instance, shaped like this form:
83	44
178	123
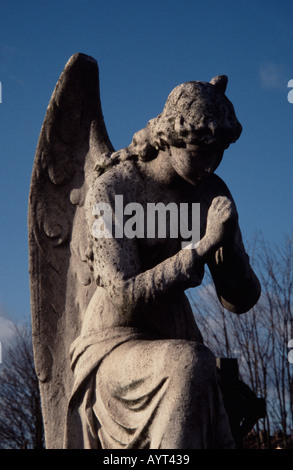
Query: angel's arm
118	268
237	286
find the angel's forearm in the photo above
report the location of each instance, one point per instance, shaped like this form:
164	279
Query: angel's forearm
180	272
237	285
168	276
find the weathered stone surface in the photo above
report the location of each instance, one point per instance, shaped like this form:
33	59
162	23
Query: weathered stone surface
118	353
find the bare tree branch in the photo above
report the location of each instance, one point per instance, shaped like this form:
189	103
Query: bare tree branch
21	423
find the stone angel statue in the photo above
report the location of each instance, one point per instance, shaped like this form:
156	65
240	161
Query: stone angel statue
120	360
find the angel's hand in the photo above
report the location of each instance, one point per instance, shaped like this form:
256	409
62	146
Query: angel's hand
221	221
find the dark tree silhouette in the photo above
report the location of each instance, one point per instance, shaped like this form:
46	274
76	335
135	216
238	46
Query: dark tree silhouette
258	339
21	425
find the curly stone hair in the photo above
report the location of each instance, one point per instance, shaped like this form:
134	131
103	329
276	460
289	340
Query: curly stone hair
194	113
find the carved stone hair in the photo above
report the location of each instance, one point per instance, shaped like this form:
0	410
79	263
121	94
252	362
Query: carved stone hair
195	112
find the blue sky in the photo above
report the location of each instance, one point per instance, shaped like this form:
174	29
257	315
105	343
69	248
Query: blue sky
144	49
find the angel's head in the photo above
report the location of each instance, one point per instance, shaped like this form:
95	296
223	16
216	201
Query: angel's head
195	113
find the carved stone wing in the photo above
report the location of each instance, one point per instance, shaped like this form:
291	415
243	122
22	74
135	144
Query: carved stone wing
73	137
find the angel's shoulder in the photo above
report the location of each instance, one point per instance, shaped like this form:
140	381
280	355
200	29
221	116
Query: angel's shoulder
117	180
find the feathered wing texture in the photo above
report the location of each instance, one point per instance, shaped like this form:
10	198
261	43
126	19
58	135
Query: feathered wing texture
72	139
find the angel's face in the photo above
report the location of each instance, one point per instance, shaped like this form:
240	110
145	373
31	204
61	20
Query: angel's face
195	162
